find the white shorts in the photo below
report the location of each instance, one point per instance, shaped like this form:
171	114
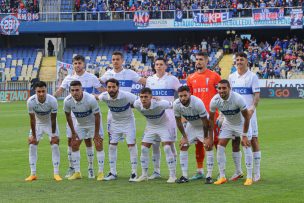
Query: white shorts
162	134
230	132
45	129
87	132
194	133
253	128
109	121
120	130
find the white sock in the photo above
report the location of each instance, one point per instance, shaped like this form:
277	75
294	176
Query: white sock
209	162
183	159
237	159
33	158
113	158
55	158
90	157
144	159
221	160
156	156
170	160
70	157
173	148
76	160
257	163
100	159
248	161
133	158
200	170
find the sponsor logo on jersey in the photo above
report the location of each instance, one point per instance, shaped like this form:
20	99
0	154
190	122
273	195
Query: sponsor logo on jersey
42	113
231	112
119	109
191	118
242	90
82	114
155	116
163	92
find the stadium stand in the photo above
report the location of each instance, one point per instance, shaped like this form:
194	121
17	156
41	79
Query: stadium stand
17	6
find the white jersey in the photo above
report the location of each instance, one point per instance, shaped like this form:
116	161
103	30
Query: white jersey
193	112
83	110
126	78
246	85
89	82
230	108
121	106
156	116
42	111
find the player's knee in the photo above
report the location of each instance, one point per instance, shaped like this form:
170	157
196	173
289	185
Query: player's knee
75	148
184	148
88	142
55	140
144	149
99	147
236	144
131	145
255	144
209	148
167	149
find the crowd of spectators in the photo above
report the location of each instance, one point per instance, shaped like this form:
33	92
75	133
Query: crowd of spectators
19	6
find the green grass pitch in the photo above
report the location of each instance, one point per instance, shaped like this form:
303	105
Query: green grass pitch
282	169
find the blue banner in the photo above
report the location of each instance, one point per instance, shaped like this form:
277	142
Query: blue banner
296	19
178	16
210	18
268	14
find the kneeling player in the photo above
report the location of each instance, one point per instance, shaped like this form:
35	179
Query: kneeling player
235	124
197	128
42	109
158	128
87	113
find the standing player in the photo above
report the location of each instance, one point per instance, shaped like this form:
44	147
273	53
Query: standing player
89	82
88	125
42	109
123	123
164	87
203	84
246	83
197	128
235	124
158	128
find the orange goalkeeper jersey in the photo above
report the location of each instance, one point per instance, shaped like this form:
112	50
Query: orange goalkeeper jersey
203	85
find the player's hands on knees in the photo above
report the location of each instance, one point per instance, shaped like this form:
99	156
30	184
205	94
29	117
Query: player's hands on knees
245	141
98	141
32	140
184	142
75	140
208	142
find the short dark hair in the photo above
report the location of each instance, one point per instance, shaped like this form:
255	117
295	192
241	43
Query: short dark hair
118	53
204	54
113	80
183	88
161	59
75	83
79	58
146	90
241	54
225	82
40	84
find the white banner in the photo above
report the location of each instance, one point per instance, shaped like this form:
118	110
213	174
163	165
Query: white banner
281	83
63	69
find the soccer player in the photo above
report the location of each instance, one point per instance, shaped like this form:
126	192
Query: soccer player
164	86
88	125
246	83
89	82
157	128
203	85
235	124
123	123
193	110
42	109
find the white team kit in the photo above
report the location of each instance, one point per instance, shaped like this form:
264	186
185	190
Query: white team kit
84	111
158	122
193	114
165	88
123	121
246	85
43	113
231	109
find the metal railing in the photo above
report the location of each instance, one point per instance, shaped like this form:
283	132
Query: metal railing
128	15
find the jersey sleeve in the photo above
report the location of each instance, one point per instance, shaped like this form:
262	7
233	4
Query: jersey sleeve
201	109
213	104
134	76
217	79
255	84
30	107
66	106
102	96
131	97
189	84
96	82
65	83
176	110
94	105
54	106
137	104
241	103
104	78
166	104
176	83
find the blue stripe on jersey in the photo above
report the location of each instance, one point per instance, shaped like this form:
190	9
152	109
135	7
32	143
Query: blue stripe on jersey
242	90
119	109
231	112
88	89
191	118
82	114
155	116
125	83
42	113
163	92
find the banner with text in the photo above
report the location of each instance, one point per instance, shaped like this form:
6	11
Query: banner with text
63	69
141	18
267	14
296	19
14	95
9	25
209	18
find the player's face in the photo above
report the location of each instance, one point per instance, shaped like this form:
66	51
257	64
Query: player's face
41	93
160	67
145	99
201	63
112	89
223	91
78	66
241	63
184	97
76	92
117	61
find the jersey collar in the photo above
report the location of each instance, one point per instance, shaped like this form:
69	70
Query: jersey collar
45	102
